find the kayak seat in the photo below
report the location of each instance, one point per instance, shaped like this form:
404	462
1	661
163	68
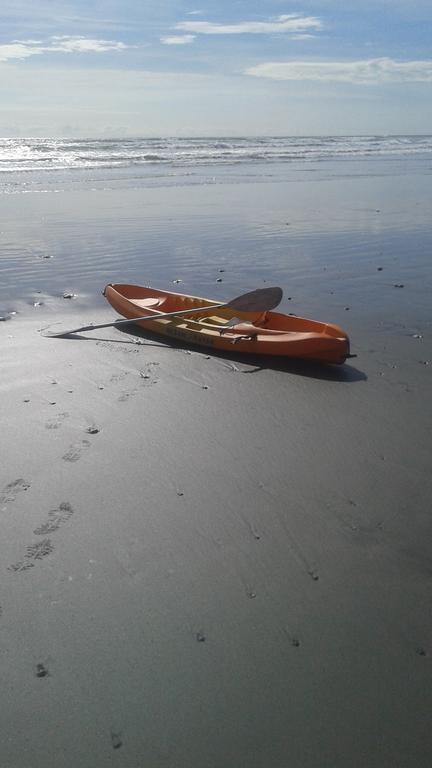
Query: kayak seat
151	303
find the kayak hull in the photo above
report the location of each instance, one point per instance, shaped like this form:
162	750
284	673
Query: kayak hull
263	333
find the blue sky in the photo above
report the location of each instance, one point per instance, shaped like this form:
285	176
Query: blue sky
171	67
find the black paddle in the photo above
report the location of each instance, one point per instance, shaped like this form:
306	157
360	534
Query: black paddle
260	300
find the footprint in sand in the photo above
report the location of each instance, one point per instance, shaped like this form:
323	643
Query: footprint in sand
57	421
39	550
55	518
22	565
34	552
11	490
75	451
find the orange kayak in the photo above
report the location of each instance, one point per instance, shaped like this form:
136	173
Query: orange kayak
227	329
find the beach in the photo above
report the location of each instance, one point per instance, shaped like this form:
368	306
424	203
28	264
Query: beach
212	560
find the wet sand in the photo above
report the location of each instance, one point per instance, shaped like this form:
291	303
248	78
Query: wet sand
213	561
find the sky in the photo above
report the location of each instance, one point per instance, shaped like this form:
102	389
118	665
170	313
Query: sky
126	68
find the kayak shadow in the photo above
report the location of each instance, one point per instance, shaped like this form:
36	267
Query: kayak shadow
311	369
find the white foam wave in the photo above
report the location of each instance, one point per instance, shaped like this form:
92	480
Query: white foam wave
31	154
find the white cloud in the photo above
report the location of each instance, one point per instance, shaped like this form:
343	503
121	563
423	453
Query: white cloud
23	49
28	42
177	39
17	50
303	36
293	22
382	70
78	44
